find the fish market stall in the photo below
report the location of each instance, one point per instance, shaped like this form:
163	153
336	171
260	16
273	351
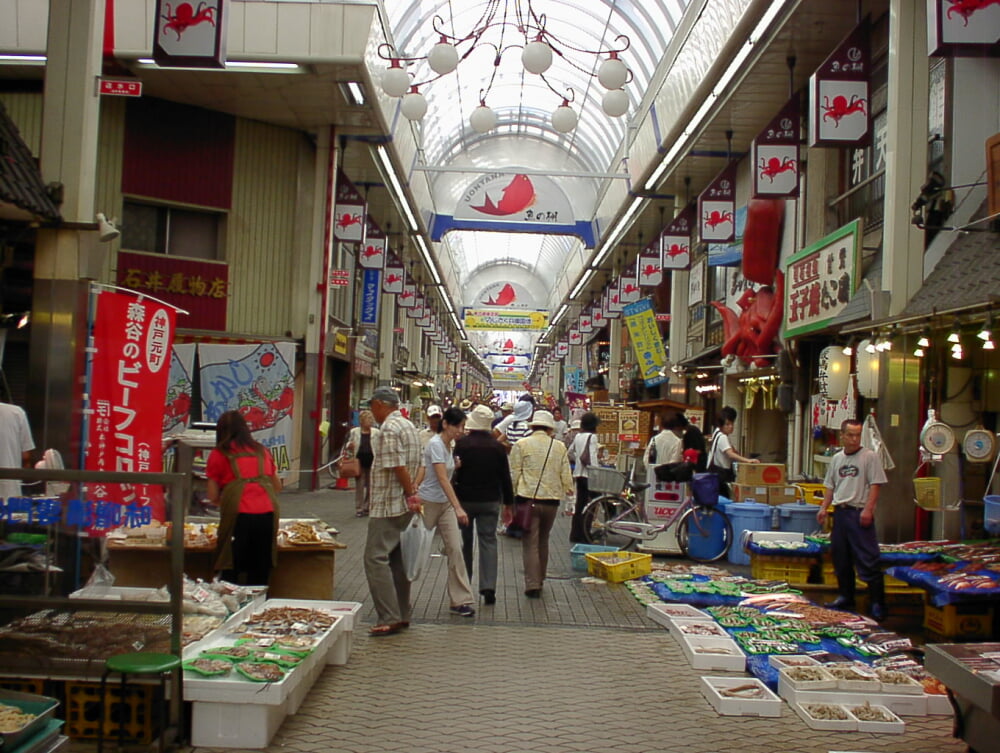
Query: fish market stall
971	671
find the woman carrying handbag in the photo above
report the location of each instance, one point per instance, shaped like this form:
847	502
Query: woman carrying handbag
357	460
539	467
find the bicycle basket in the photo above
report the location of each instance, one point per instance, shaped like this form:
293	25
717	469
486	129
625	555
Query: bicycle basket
605	480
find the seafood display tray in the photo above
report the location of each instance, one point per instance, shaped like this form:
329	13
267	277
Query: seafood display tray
665	614
791	660
41	706
895	726
850	724
692	628
828	681
900	705
698	651
767	705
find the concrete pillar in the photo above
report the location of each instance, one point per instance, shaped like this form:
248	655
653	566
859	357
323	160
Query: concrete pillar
615	358
906	155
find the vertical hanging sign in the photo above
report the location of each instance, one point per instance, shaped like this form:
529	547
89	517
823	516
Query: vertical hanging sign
189	37
395	276
963	28
129	371
675	240
628	289
372	253
839	108
775	154
587	321
408	297
349	211
649	265
370	297
717	207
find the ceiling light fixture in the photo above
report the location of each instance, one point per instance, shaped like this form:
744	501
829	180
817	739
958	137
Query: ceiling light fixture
399	195
925	338
503	27
956	330
986	333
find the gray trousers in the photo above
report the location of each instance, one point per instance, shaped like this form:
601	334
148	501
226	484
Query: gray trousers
387	581
483	517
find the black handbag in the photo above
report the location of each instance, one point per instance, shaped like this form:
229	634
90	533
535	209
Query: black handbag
674	472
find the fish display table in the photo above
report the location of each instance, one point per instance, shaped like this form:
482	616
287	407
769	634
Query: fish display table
971	671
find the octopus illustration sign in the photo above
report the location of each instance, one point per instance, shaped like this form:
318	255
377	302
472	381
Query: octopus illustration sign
839	111
775	154
717	207
963	27
190	35
349	212
675	240
822	278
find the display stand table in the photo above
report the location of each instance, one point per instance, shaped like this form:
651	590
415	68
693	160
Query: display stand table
972	673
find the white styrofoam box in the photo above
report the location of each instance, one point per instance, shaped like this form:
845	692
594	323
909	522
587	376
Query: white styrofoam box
767	704
894	725
791	660
340	651
901	705
844	725
665	614
907	686
297	694
759	536
714	653
707	627
348	609
233	725
937	704
789	676
120	593
853	678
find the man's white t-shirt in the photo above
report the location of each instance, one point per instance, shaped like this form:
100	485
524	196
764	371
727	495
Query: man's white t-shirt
15	440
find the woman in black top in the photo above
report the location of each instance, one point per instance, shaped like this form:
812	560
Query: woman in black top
359	445
482	482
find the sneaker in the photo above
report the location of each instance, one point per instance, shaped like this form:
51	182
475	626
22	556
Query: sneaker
489	596
463	610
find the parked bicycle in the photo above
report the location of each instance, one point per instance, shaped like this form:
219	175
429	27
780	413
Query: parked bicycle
617	518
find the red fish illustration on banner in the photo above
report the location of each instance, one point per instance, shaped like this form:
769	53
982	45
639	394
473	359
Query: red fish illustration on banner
506	296
518	195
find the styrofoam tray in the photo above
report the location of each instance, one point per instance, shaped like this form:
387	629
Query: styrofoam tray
708	628
862	681
901	705
787	675
665	614
895	726
843	725
791	660
910	687
937	704
700	653
767	705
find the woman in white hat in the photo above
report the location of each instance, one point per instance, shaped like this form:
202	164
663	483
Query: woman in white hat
539	468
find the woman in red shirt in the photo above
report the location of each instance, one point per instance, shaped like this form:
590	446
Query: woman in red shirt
243	481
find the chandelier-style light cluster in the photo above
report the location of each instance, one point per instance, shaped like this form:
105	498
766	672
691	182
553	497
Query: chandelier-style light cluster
505	25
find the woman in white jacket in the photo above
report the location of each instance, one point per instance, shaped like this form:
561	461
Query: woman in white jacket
360	441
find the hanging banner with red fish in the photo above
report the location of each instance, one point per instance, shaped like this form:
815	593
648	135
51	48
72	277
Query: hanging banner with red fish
717	207
514	203
507	295
372	252
258	380
503	359
963	28
774	154
349	211
628	289
839	107
394	279
408	297
675	240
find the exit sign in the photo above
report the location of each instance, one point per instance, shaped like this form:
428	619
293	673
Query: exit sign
120	87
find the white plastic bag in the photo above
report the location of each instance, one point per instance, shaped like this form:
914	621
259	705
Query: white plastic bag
415	541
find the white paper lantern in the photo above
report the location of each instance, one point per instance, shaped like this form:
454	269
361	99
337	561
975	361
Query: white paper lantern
414	106
395	81
564	119
615	103
443	58
868	370
834	372
536	57
482	119
613	74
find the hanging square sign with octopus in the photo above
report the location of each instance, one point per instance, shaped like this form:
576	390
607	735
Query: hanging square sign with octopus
348	212
675	240
839	106
775	154
371	254
190	35
649	265
717	207
586	323
969	28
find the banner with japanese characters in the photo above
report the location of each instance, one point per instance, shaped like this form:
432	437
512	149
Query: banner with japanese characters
821	279
647	343
258	380
839	106
717	207
201	288
129	368
177	413
775	154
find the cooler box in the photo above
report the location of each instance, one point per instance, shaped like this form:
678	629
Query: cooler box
706	545
746	516
797	516
991	513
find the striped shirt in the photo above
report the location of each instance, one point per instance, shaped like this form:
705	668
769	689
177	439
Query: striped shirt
397	444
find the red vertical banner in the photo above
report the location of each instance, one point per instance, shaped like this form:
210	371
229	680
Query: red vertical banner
130	367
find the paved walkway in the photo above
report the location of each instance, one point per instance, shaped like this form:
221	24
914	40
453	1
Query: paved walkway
581	669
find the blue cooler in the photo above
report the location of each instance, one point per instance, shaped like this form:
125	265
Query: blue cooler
746	516
707	545
798	516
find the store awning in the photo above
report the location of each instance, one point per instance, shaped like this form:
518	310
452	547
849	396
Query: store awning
860	305
697	358
23	197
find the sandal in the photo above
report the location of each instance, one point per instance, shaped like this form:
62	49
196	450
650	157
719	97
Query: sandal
401	625
380	630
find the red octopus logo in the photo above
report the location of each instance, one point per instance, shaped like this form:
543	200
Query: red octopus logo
774	166
392	279
187	17
346	220
841	108
649	270
715	218
676	249
371	251
966	8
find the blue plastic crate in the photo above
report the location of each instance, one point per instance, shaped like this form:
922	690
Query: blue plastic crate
578	554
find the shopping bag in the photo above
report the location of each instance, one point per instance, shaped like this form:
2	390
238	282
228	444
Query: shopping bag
415	541
523	510
705	488
350	468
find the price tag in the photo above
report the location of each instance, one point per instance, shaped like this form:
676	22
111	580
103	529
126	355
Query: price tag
200	594
301	627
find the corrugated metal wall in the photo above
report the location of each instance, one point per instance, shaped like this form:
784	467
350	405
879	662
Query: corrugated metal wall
25	109
260	245
107	189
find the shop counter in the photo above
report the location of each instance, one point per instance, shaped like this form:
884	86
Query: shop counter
971	671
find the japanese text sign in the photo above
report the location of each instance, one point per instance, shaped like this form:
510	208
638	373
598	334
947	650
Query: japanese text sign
199	287
647	343
370	296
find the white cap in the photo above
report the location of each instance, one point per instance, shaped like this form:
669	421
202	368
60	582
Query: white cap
434	410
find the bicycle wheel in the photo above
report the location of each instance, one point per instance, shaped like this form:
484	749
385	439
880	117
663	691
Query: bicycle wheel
704	534
602	510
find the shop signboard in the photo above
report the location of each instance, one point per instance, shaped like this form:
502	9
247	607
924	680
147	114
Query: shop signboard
575	338
587	321
340	278
963	28
629	289
408	297
349	211
187	35
129	369
394	279
649	266
647	343
502	319
717	207
821	279
775	154
372	252
839	105
675	240
200	288
370	284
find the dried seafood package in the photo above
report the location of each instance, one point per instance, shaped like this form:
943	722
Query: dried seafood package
261	671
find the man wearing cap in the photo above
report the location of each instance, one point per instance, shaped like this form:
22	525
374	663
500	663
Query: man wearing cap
393	502
433	414
540	471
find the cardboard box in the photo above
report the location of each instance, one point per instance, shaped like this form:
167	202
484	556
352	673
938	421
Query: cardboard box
760	474
750	493
781	495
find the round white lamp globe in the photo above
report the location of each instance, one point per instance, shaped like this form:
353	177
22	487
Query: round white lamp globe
615	103
482	119
414	106
613	73
564	119
395	81
536	57
443	58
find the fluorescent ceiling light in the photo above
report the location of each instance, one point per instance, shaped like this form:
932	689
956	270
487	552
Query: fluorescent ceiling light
584	281
428	259
355	93
607	246
398	193
24	58
262	64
